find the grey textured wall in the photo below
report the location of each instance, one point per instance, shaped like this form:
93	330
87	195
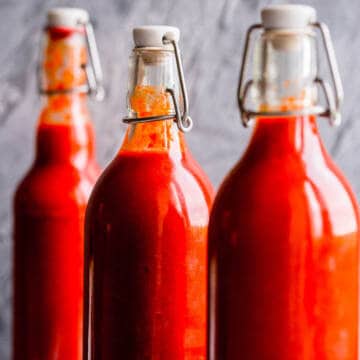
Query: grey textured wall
212	39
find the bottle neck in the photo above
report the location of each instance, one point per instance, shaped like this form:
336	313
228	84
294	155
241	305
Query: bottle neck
64	134
285	68
284	78
152	71
64	58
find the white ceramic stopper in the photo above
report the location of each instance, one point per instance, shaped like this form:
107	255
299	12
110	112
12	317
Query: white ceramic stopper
152	36
287	16
67	17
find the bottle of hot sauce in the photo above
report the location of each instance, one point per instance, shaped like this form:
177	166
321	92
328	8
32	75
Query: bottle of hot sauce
50	202
284	230
146	223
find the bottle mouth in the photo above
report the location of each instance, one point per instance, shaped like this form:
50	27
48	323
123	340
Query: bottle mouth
152	56
288	40
157	49
61	33
65	21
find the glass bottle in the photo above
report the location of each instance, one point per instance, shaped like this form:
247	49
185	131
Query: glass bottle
284	229
146	223
50	202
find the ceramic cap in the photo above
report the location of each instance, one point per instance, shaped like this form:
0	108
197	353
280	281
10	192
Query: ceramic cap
287	16
152	36
67	17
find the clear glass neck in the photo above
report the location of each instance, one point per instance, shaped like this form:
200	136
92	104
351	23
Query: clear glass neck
64	133
152	71
63	60
65	109
285	67
62	75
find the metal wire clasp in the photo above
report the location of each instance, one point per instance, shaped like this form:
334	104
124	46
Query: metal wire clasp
93	71
333	95
183	120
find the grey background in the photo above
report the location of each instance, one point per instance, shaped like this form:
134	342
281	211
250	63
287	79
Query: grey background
212	40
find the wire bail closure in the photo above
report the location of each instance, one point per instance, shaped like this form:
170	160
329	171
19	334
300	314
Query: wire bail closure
93	71
182	120
333	95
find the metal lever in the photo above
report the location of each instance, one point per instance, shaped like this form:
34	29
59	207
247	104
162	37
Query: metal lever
183	120
93	72
246	115
334	107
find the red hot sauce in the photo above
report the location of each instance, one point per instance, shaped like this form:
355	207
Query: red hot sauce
283	251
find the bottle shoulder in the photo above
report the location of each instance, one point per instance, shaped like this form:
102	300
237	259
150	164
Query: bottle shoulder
59	188
311	193
134	183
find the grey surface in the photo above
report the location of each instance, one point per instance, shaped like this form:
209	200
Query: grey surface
212	39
